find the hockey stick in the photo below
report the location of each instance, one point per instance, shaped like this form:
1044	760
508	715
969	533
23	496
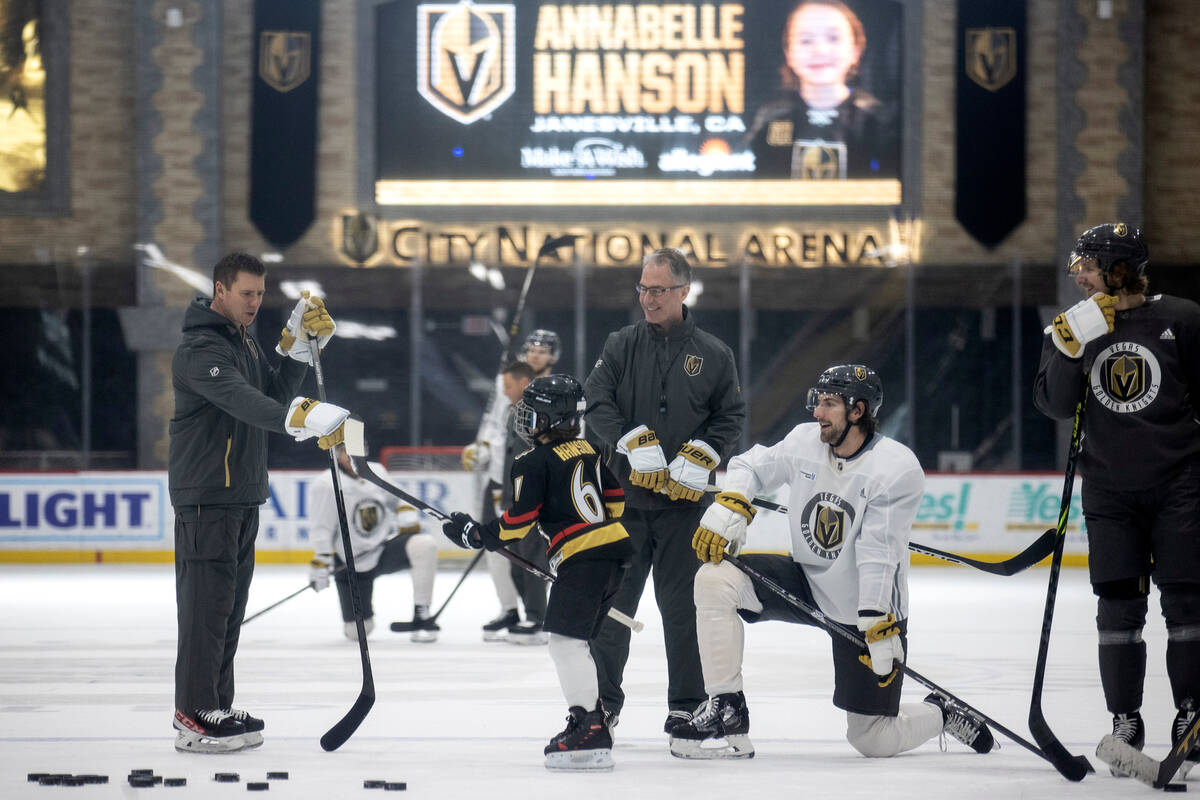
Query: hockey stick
364	469
1035	552
336	736
1073	767
406	627
852	635
1155	774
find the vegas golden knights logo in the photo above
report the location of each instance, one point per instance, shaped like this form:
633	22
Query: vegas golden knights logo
991	56
360	236
692	365
368	517
284	59
830	527
814	160
466	55
1125	377
860	373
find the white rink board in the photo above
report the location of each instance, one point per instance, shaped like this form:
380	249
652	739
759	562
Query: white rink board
120	511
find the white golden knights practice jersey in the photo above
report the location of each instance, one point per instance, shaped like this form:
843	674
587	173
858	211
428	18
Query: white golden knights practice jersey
371	514
850	519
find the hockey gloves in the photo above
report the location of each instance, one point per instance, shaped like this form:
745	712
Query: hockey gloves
320	568
307	418
689	471
885	651
647	464
723	526
463	531
476	455
309	318
1081	323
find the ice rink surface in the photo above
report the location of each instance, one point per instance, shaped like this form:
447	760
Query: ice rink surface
86	684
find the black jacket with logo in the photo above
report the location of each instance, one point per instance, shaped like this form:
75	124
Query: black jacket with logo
1142	419
683	384
226	399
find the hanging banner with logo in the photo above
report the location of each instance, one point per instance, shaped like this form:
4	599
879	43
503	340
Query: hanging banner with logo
990	118
283	139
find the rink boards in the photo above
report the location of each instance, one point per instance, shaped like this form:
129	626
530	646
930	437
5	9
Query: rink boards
127	516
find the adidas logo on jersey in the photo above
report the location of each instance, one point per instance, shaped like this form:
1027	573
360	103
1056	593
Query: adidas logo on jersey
1167	335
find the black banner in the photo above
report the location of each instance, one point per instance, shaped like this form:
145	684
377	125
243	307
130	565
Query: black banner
990	118
283	139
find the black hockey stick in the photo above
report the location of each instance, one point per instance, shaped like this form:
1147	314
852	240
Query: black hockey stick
1073	767
852	635
336	736
1035	552
364	469
1155	774
406	627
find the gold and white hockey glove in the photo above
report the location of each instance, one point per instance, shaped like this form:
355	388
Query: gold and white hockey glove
723	527
476	455
317	322
293	341
1081	323
307	418
647	464
320	568
689	470
885	651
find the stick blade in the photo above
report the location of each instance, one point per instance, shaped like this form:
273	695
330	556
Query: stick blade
341	732
1128	760
1073	768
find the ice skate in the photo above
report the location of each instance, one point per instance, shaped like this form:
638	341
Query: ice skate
424	630
585	744
675	718
971	732
719	729
528	633
1187	713
211	731
1130	730
253	725
497	629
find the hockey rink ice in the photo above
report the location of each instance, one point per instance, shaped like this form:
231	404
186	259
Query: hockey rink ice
86	686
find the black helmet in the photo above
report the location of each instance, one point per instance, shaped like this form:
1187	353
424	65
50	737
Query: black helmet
853	382
552	403
1108	244
543	338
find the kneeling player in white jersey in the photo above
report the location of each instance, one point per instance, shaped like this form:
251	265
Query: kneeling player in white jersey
853	495
385	536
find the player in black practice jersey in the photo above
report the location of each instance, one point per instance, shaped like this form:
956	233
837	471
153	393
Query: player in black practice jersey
1137	357
561	486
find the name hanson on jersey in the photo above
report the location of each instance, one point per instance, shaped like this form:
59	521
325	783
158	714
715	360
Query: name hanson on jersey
576	447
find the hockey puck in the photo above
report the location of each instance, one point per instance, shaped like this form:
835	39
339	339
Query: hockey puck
1175	787
277	776
396	786
257	786
141	781
73	780
175	782
34	777
133	772
94	778
50	780
373	784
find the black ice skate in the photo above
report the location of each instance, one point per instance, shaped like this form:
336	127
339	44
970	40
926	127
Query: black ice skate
253	725
424	629
209	731
718	730
675	718
1183	720
497	629
585	744
971	732
1127	729
528	633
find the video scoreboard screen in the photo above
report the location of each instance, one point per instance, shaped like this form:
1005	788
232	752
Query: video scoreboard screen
636	104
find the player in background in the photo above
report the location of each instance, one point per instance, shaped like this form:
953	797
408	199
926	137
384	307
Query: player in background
562	487
227	397
662	389
540	352
853	494
385	536
1139	356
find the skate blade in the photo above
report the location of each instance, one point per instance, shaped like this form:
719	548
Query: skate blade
422	639
527	640
580	760
733	746
192	743
495	636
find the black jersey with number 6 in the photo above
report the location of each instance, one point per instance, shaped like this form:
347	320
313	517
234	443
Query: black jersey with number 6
575	500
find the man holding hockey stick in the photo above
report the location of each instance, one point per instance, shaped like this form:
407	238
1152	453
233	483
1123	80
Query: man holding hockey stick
562	486
226	400
373	518
1140	461
854	495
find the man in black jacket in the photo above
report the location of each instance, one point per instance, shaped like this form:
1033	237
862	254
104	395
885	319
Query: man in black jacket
662	386
1137	359
226	400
